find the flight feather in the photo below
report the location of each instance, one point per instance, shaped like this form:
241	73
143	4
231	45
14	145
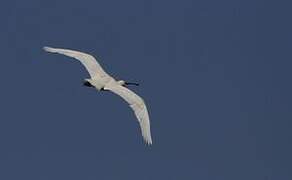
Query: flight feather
90	63
138	106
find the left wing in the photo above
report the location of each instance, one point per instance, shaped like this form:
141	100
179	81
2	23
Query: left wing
138	106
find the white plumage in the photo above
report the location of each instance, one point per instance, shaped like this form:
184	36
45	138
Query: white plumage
103	81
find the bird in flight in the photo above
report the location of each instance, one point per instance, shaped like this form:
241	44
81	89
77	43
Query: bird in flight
102	81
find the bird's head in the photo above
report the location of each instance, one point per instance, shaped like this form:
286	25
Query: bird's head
124	83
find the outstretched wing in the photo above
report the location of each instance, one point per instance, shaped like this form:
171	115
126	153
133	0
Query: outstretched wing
138	106
90	63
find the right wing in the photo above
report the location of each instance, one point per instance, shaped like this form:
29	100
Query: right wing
138	106
90	63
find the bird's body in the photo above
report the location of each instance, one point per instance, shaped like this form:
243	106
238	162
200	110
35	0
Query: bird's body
103	81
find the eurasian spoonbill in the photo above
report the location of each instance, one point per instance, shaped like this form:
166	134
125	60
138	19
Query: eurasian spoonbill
102	81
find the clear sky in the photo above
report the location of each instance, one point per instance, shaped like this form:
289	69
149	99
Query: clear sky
216	76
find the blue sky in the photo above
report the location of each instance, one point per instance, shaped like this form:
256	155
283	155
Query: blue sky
214	74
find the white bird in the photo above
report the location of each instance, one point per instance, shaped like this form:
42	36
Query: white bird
102	81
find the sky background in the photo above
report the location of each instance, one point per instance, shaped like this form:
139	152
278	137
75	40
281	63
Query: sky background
216	76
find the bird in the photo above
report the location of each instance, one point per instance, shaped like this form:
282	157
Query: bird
102	81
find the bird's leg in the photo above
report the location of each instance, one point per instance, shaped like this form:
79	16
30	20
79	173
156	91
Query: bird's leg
86	83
